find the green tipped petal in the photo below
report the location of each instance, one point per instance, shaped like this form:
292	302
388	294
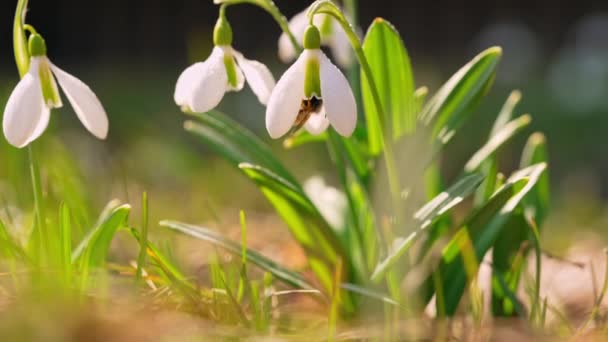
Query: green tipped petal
231	70
50	92
312	80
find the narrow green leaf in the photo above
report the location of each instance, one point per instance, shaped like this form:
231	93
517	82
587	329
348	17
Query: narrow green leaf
419	97
92	251
460	258
426	215
143	243
65	232
170	271
453	104
499	139
390	64
508	256
302	137
535	152
234	142
280	272
506	112
306	224
490	166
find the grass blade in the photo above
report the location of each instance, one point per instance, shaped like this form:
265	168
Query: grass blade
287	276
479	232
235	143
428	214
453	104
499	139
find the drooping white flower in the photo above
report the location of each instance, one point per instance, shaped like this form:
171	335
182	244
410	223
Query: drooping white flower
312	93
332	35
202	86
330	201
28	109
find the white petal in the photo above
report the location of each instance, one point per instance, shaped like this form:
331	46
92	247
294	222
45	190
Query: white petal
183	88
338	98
297	25
286	98
85	103
317	123
258	76
42	124
340	46
24	111
208	88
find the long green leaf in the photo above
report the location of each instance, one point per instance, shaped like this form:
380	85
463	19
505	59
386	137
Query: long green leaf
453	104
390	64
305	223
535	152
65	232
92	251
426	215
499	139
280	272
460	258
490	166
234	142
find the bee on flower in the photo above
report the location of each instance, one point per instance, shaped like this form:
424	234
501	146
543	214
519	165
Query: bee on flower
201	87
28	110
313	93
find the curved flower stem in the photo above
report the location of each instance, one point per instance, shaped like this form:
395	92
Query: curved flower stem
272	9
327	7
22	56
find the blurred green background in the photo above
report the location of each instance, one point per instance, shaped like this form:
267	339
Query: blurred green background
131	53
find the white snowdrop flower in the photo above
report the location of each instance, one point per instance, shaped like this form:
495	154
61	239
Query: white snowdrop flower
313	93
201	87
332	35
28	109
330	201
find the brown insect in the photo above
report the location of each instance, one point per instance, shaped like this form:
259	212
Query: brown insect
307	108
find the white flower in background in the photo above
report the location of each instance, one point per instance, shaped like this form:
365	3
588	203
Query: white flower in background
201	87
312	93
330	202
332	35
28	109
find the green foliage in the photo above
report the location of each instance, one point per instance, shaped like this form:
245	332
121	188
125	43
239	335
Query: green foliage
279	272
391	67
369	257
455	101
366	251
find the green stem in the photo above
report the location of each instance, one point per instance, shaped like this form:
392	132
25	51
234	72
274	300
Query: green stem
327	7
143	249
38	199
22	57
272	9
351	7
